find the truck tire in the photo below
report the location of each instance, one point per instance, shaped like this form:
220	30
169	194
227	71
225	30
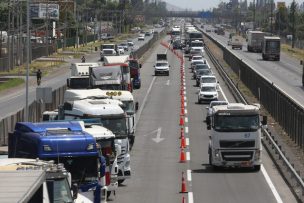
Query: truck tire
108	194
120	181
257	168
155	73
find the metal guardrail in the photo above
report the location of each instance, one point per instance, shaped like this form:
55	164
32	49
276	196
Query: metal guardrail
271	146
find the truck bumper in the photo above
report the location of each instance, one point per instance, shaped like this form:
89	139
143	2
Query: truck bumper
124	168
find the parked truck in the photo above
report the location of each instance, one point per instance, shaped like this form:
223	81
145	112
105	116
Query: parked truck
235	137
135	67
254	41
37	181
66	143
271	48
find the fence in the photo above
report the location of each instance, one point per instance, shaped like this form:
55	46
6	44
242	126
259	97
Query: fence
283	109
39	50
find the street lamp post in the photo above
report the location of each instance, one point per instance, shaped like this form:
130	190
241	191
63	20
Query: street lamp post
27	61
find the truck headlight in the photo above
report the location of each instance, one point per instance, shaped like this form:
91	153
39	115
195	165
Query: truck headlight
216	154
257	154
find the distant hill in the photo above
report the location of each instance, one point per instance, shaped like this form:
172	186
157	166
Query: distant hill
171	7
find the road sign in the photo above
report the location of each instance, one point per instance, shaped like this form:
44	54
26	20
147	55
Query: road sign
206	14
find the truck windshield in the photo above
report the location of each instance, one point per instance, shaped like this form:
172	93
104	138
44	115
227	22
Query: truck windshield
79	83
59	190
236	123
83	169
128	107
108	46
197	44
117	125
273	45
195	35
161	64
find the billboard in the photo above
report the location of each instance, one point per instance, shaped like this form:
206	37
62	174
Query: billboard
43	11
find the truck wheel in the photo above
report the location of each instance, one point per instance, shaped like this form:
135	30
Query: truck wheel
120	181
257	167
155	73
198	101
210	158
108	194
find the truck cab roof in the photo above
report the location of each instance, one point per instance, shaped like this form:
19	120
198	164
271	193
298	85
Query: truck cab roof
97	131
236	108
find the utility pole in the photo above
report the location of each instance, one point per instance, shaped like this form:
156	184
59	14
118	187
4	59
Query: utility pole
254	14
293	23
26	115
271	16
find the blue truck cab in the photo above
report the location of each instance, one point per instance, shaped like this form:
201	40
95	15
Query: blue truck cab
63	142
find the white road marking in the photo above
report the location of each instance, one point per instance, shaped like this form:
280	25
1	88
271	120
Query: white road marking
185	98
272	187
223	93
189	178
190	197
184	84
144	102
188	156
186	129
184	87
185	104
186	111
186	119
168	82
187	141
185	92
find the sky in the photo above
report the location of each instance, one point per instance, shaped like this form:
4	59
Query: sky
207	4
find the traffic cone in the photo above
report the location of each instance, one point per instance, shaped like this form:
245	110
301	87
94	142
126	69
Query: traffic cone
182	113
182	133
183	142
181	121
183	189
182	156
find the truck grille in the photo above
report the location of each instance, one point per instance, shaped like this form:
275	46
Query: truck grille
237	156
120	158
237	144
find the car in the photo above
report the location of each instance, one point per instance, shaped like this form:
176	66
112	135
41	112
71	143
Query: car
195	62
124	45
208	92
141	37
208	79
200	66
212	104
200	73
130	43
161	67
177	44
196	51
147	33
196	58
120	50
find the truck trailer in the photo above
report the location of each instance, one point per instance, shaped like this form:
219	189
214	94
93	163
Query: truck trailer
254	41
271	48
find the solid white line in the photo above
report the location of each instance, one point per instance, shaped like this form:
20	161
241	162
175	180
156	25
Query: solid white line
188	156
185	104
187	141
144	102
186	129
186	111
223	94
186	119
189	178
272	187
190	197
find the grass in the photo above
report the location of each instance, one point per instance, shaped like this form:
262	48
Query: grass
11	83
293	52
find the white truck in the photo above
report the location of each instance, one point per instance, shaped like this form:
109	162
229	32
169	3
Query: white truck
254	41
161	65
108	50
129	105
105	139
37	181
80	75
237	42
112	117
235	137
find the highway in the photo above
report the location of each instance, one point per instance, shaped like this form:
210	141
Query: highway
155	163
156	171
285	74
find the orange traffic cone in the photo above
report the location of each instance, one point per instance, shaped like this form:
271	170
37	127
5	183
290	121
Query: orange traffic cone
183	142
183	189
182	157
181	121
182	133
182	112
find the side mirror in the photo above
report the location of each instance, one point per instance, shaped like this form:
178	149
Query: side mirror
301	62
153	65
140	65
118	149
75	191
136	106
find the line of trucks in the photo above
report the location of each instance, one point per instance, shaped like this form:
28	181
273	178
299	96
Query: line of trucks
89	136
